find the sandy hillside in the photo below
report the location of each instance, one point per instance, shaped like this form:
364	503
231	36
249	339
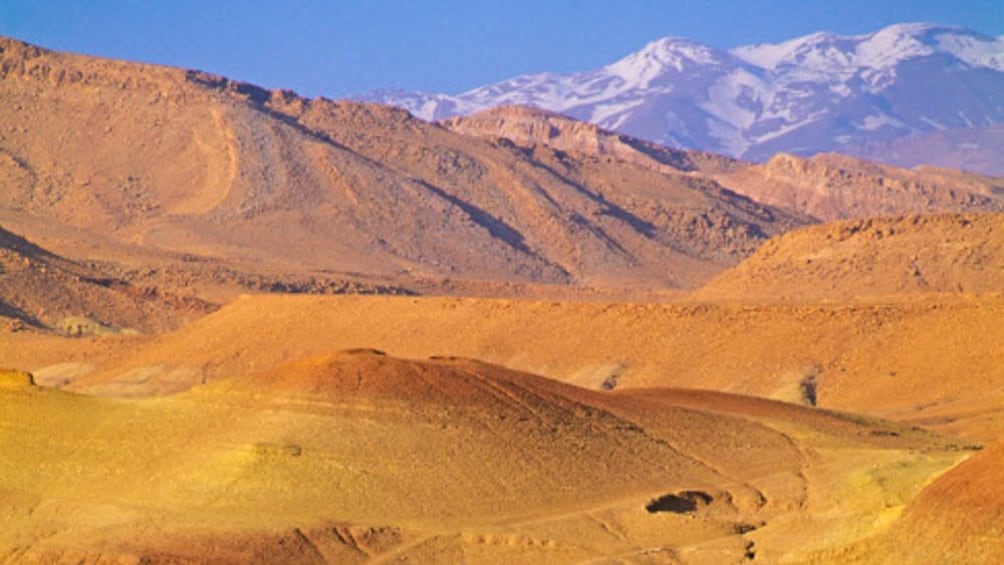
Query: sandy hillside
929	362
958	518
436	459
862	259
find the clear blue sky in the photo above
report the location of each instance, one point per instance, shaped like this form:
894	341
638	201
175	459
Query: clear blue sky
336	48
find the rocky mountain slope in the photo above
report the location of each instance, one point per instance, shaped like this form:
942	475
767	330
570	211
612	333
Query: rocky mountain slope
830	186
184	181
841	261
144	157
128	162
41	290
824	187
812	94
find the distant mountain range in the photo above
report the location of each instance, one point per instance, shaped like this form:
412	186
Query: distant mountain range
907	94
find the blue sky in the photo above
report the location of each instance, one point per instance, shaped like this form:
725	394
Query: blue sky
336	48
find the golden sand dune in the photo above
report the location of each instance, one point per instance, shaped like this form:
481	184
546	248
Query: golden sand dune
868	259
357	455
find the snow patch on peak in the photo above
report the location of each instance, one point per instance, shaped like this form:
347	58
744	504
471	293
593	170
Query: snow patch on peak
426	106
914	29
662	56
770	56
821	91
891	45
671	49
878	121
826	52
974	49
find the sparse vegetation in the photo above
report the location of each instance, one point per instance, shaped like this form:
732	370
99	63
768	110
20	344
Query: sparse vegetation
808	387
80	326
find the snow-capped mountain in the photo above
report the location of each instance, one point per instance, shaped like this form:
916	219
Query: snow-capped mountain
817	93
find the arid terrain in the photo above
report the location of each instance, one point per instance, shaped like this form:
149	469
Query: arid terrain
237	325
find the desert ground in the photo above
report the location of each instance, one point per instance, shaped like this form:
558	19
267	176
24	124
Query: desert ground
307	331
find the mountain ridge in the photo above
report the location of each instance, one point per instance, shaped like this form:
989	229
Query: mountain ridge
221	179
817	93
186	162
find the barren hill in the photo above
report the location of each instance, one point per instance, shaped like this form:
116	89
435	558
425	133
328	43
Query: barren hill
41	290
357	456
867	258
824	187
934	362
185	162
832	187
958	517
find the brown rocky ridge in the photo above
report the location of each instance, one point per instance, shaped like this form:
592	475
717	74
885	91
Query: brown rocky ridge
832	187
41	290
861	259
823	187
172	161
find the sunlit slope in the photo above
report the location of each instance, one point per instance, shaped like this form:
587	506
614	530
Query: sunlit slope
958	518
357	455
830	186
872	258
826	186
874	357
183	162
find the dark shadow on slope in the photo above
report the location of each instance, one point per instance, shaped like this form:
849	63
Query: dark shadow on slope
22	246
9	311
496	227
607	208
677	159
680	503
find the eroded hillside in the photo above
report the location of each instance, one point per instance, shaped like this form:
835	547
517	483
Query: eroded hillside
184	162
871	259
